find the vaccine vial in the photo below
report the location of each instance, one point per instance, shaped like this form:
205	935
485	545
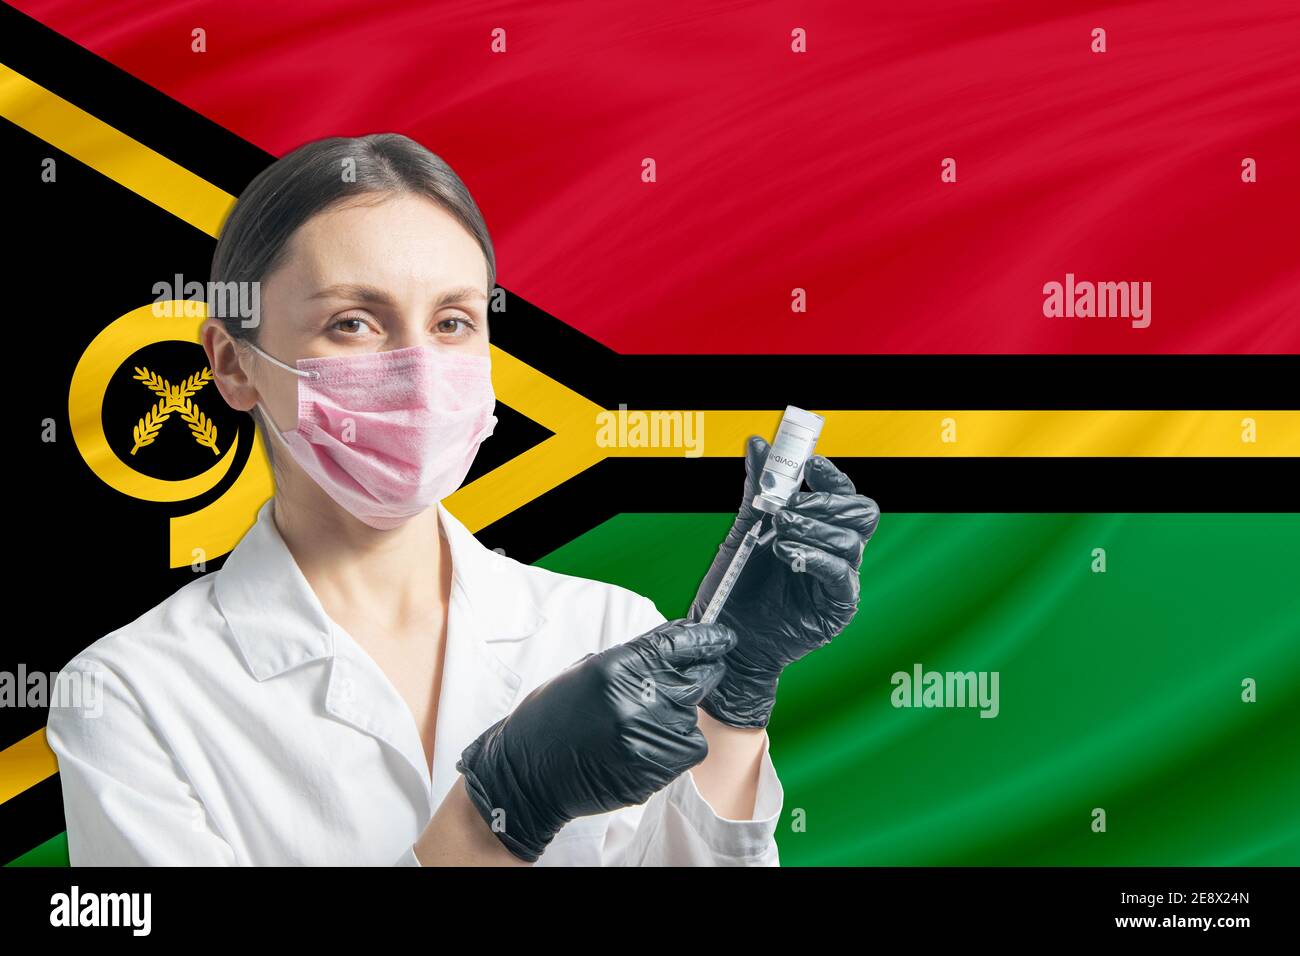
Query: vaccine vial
786	456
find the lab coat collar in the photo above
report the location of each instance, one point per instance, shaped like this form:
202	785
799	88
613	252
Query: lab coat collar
279	623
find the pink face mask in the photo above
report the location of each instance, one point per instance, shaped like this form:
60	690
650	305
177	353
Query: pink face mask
387	434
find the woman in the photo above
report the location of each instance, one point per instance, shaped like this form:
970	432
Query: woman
362	682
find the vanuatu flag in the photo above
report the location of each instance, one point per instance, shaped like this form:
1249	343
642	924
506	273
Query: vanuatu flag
1041	282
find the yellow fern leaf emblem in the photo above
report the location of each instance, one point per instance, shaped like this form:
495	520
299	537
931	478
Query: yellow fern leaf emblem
204	432
146	429
175	398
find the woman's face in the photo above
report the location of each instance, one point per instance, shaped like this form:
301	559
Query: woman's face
369	278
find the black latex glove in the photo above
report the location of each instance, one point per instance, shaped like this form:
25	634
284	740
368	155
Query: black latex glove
796	593
606	732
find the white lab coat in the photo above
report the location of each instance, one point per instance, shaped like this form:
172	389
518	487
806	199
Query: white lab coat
241	726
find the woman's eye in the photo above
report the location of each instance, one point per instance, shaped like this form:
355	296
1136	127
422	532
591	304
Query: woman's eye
455	325
350	325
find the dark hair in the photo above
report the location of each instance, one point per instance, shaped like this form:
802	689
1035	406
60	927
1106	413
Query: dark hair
309	180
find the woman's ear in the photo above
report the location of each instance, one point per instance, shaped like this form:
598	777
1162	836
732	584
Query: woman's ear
224	358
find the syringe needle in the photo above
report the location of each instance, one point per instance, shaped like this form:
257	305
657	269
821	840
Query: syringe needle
720	594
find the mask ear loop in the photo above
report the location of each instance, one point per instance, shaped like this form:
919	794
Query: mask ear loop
310	373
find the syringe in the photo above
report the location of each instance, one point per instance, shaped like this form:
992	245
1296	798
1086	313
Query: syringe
781	476
748	543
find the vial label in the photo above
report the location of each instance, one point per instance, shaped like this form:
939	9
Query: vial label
789	453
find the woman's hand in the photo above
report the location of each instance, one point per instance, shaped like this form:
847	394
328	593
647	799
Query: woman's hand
607	732
791	597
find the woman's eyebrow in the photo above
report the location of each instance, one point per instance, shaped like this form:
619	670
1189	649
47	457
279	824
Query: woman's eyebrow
462	294
357	291
369	293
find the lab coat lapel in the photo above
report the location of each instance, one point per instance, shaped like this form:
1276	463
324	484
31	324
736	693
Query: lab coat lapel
477	691
279	624
359	694
490	605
